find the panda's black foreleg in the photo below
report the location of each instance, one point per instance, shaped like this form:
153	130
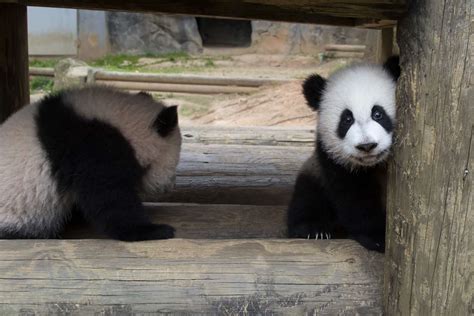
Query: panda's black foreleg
365	225
310	214
102	172
118	212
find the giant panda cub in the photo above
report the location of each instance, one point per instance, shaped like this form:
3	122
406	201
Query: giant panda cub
94	151
340	190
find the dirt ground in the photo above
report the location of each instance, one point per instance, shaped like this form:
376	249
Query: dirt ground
273	105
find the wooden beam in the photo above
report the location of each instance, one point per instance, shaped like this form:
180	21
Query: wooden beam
348	13
262	136
228	277
175	88
206	221
384	45
183	79
14	84
430	257
236	174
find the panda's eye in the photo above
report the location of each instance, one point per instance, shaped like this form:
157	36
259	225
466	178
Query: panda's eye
348	119
377	115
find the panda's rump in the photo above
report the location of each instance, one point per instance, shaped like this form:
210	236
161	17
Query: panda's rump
29	201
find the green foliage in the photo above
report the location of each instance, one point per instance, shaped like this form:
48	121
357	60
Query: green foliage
176	62
118	62
44	84
209	63
43	63
174	56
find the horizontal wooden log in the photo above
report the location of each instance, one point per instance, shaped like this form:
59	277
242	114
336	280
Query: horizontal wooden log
346	13
228	277
236	174
334	54
39	71
344	48
206	221
263	136
183	79
178	88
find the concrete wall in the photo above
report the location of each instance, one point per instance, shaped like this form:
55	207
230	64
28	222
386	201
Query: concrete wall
93	34
52	31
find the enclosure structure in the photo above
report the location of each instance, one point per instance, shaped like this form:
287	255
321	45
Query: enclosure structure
429	260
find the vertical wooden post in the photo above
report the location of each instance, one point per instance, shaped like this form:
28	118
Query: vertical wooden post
14	86
379	45
430	233
384	45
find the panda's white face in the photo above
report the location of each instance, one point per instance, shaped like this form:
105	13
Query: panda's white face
357	114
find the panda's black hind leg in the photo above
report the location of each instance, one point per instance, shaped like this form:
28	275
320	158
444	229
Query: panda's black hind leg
310	215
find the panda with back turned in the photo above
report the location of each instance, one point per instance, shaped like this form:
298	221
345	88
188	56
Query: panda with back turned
340	190
95	151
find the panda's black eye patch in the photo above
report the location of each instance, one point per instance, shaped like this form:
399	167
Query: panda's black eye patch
345	122
380	116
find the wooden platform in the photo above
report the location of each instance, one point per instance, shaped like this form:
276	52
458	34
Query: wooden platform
377	13
230	256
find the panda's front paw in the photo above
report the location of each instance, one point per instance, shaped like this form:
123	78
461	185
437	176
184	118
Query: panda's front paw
308	231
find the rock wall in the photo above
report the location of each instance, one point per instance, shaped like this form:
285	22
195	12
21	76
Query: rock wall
137	33
154	33
294	38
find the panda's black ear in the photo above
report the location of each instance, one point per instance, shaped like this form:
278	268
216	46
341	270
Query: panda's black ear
392	65
313	88
166	121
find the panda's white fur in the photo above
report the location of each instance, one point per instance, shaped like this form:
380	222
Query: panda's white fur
357	88
28	199
30	203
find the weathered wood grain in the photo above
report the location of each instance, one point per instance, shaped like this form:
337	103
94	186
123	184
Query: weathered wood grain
178	88
230	277
182	79
236	174
40	71
207	221
348	13
430	258
384	45
266	136
14	84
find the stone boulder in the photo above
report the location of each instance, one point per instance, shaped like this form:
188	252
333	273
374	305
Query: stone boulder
135	33
293	38
70	72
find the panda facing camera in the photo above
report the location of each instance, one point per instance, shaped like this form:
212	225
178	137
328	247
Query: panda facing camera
340	190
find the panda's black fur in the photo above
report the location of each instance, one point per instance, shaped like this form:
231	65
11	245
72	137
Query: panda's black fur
332	199
91	152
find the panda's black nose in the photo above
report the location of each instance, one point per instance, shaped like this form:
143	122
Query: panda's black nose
367	147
